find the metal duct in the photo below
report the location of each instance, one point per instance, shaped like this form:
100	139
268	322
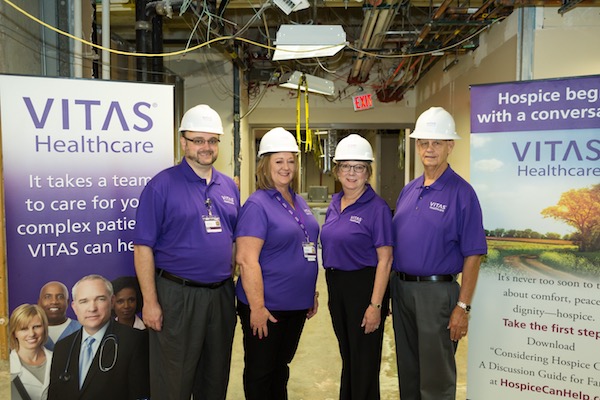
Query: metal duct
377	21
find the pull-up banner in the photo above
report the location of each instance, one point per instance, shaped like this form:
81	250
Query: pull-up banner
535	164
76	155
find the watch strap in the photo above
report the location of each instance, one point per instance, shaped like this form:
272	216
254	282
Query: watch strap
464	306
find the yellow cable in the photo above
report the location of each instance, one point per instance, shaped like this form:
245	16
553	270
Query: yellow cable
308	145
190	49
298	135
127	53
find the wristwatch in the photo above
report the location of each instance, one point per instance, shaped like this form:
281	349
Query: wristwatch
377	306
464	306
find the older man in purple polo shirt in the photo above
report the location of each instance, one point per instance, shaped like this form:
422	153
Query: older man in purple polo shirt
438	233
183	259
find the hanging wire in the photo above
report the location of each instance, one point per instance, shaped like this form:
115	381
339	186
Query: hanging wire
241	39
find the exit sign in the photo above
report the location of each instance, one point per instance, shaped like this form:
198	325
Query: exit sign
362	102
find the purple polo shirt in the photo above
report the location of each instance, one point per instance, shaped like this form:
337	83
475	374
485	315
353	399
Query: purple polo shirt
169	220
289	279
350	238
437	226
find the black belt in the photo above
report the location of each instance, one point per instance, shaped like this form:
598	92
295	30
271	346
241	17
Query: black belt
189	282
431	278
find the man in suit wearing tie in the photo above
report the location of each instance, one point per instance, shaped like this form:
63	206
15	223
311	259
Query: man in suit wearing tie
104	359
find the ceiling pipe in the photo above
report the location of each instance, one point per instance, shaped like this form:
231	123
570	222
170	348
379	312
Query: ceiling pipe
367	30
142	40
105	39
384	21
376	22
542	3
416	67
157	48
482	9
391	78
437	15
77	45
237	139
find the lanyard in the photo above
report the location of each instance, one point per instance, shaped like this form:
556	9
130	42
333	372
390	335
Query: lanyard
293	214
208	204
207	201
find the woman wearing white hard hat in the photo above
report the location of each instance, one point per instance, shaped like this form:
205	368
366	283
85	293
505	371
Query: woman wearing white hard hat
276	238
357	256
438	233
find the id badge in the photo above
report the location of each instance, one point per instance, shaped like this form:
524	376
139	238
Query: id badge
310	251
212	224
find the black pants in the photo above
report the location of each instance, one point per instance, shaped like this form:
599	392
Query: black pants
349	296
192	352
266	360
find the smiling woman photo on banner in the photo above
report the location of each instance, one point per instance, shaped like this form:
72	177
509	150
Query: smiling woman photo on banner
29	360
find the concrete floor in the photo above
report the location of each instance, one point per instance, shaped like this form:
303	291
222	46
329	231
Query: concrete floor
316	368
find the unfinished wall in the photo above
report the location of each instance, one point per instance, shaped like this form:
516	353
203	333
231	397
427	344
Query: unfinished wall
563	46
20	39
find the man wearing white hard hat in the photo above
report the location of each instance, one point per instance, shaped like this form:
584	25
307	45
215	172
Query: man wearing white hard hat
183	245
438	234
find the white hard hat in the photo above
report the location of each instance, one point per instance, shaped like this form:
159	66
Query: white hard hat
277	140
353	147
201	118
435	123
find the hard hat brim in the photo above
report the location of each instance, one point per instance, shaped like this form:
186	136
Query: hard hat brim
353	159
434	136
214	131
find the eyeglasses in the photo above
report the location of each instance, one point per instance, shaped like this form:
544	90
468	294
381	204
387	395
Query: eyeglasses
201	141
436	144
358	168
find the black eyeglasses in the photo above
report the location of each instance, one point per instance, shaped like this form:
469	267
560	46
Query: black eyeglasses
436	144
201	141
358	168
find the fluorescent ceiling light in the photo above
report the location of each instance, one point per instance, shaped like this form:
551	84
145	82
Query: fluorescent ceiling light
291	80
307	41
287	6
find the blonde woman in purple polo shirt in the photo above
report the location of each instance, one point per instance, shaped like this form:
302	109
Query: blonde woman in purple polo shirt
438	233
276	237
357	256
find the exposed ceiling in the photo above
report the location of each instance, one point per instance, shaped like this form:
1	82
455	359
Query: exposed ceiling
391	43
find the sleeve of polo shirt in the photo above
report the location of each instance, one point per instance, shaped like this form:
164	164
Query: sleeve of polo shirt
252	221
382	228
402	192
149	217
473	240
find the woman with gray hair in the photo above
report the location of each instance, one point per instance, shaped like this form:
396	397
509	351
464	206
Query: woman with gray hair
357	257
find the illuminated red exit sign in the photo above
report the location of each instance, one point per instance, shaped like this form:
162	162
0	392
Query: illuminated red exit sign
362	102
